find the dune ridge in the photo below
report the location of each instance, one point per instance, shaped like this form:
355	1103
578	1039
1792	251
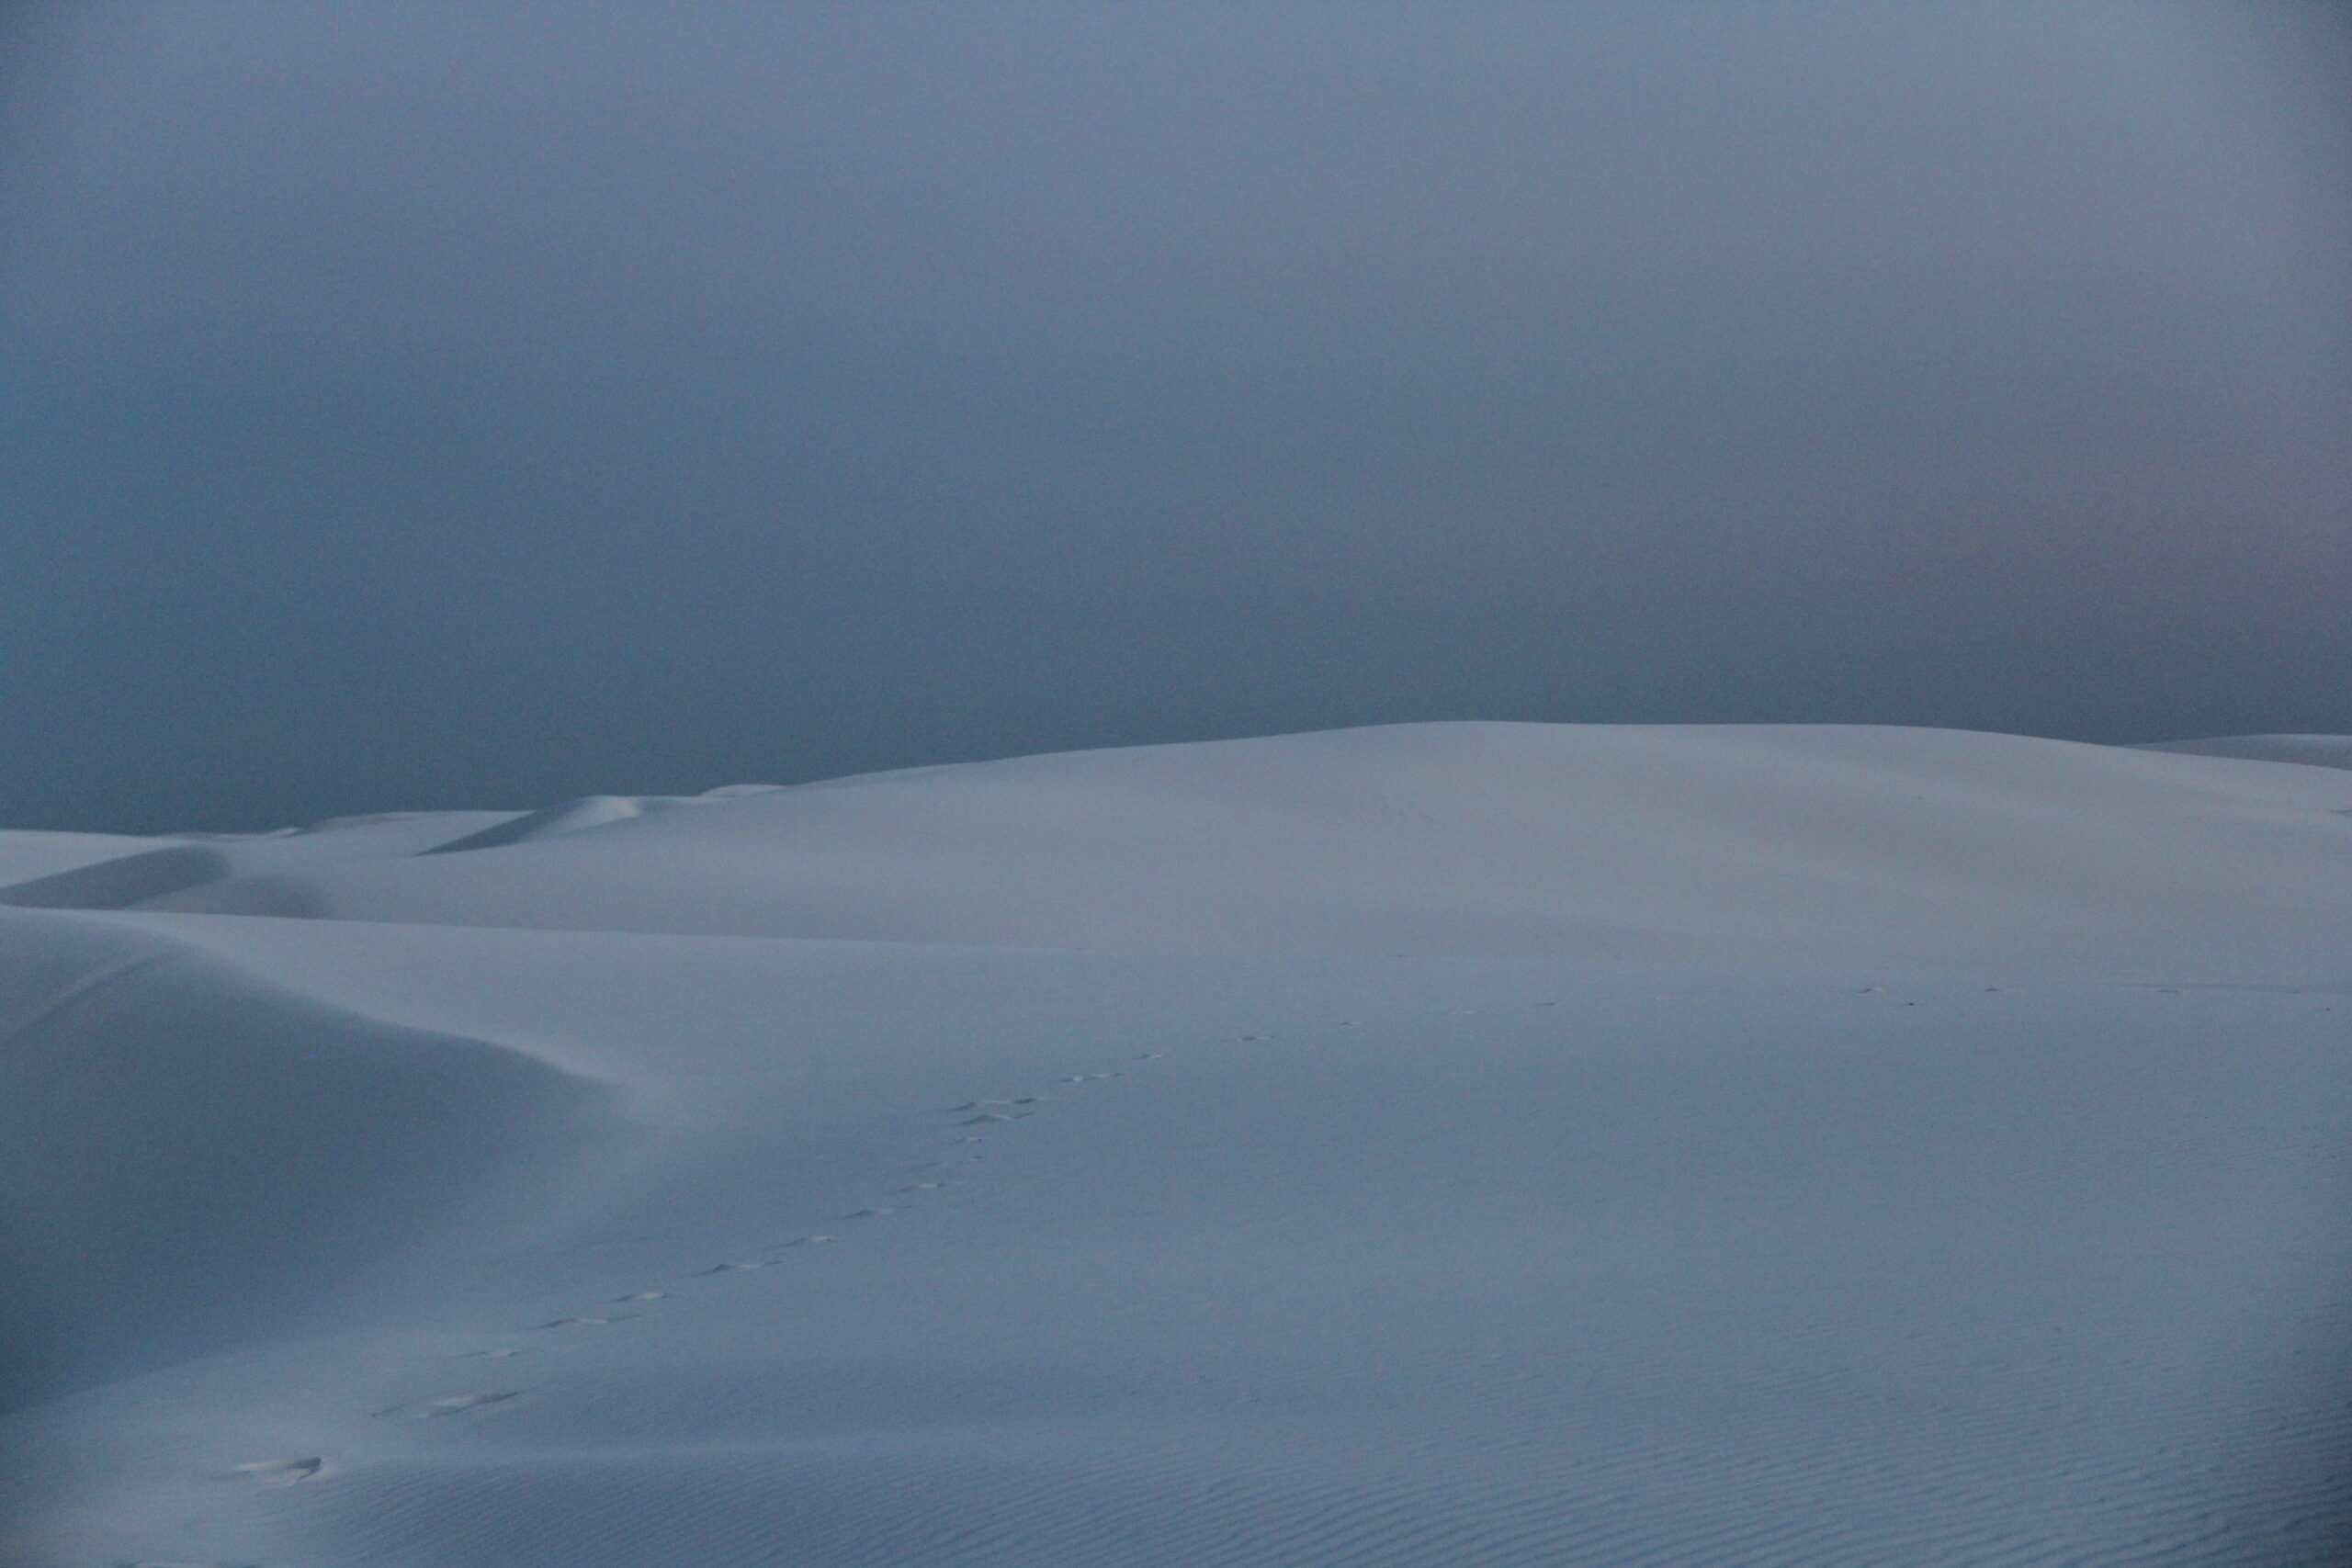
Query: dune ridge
2305	750
1722	844
193	1155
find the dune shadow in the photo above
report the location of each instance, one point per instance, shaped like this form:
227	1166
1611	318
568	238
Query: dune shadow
194	1160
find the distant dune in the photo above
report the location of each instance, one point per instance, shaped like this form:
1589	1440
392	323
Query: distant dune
1726	843
1431	1146
2312	750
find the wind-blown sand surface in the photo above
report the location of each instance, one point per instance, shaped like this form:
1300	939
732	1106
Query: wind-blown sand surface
1433	1144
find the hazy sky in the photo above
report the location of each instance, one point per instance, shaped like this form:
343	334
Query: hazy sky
410	406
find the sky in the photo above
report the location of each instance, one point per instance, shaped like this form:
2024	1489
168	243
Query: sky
418	406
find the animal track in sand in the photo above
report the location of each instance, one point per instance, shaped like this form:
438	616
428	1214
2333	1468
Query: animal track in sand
159	1562
1005	1109
449	1405
1010	1108
279	1472
587	1321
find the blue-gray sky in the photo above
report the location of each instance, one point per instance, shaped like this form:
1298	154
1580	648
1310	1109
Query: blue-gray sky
413	405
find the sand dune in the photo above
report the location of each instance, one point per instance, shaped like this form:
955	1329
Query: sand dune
1722	844
2312	750
28	856
146	869
98	870
196	1158
1450	1145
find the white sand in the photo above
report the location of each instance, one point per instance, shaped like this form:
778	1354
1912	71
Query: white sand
2316	750
1436	1144
25	857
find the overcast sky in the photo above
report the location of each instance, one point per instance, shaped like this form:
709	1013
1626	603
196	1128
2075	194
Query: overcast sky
415	406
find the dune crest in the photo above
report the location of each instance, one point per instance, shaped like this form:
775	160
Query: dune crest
1726	843
2306	751
196	1159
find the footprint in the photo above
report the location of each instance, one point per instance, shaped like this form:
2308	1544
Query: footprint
1151	1056
279	1472
871	1213
642	1296
1087	1077
450	1405
807	1240
921	1187
586	1322
985	1116
730	1268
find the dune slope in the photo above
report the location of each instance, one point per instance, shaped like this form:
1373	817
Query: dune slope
453	1242
1721	844
2310	750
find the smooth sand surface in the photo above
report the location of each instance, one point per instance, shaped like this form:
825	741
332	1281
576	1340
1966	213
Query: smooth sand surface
25	856
1716	843
1431	1146
2313	750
